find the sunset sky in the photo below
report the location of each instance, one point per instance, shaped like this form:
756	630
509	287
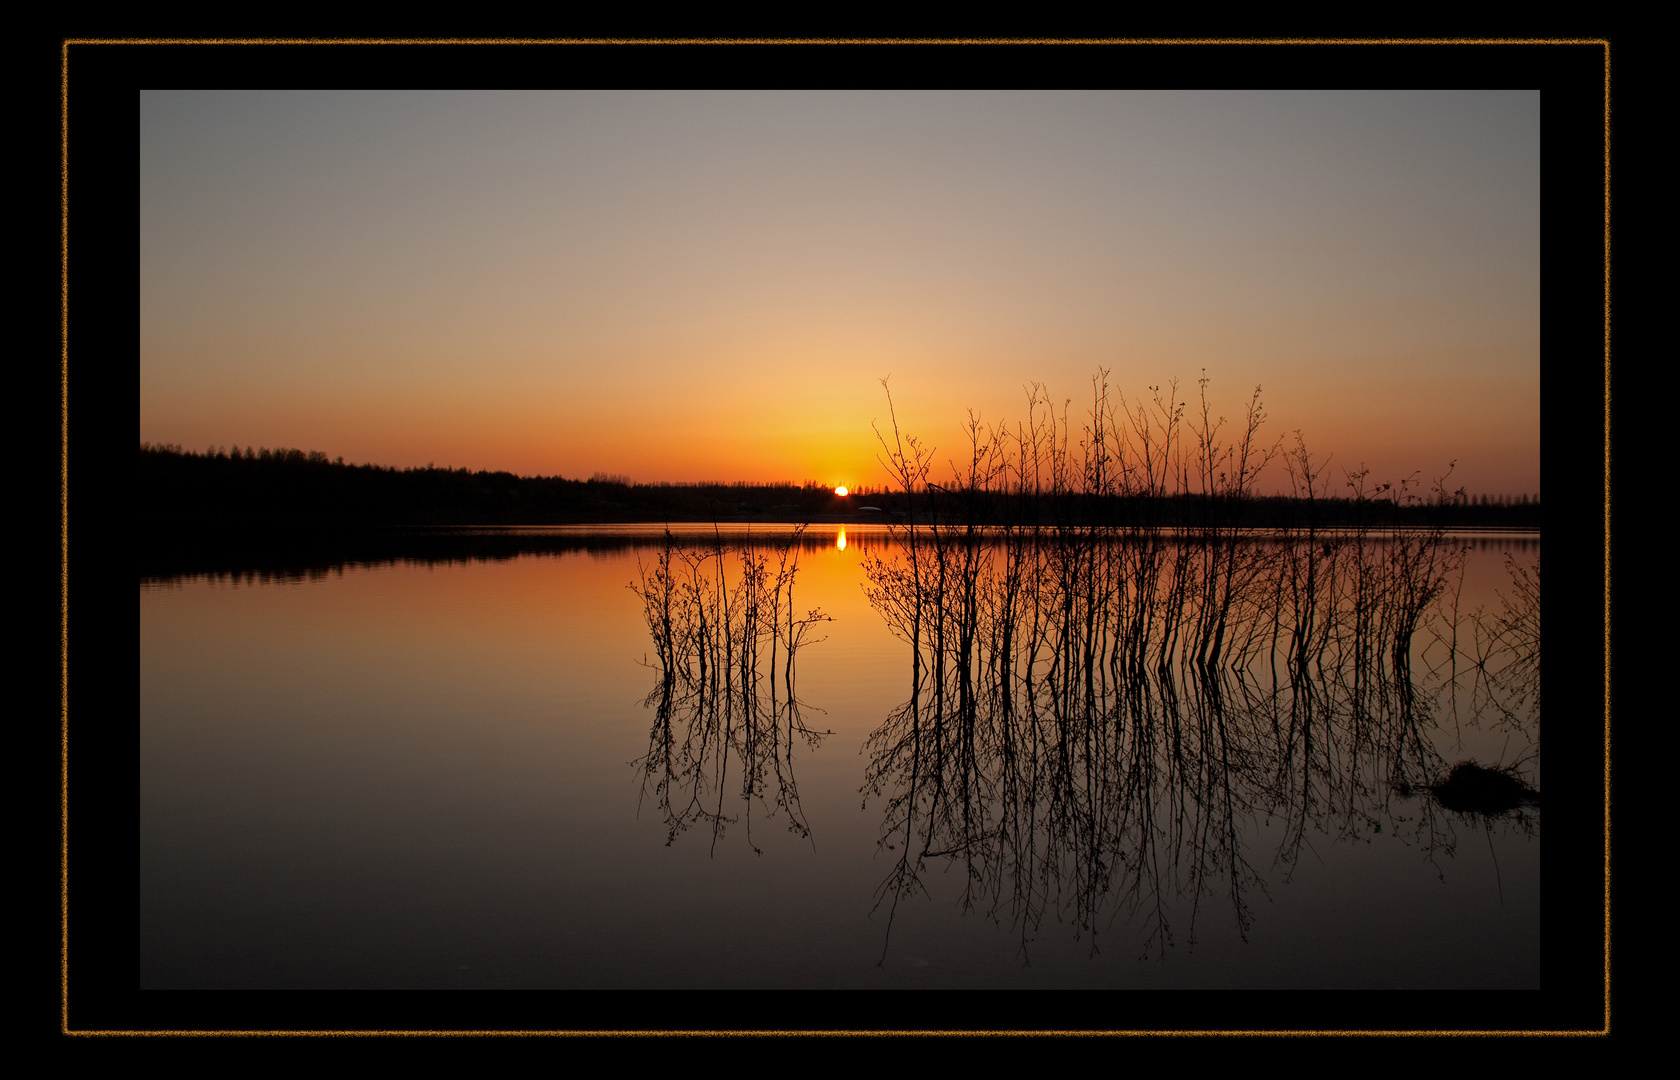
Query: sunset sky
710	285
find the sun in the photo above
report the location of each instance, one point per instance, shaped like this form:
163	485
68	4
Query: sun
841	490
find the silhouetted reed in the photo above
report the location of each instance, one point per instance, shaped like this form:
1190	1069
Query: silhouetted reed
726	698
1100	716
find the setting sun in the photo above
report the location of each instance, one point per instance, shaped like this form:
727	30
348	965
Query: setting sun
841	490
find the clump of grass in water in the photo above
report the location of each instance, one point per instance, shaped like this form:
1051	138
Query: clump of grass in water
1476	789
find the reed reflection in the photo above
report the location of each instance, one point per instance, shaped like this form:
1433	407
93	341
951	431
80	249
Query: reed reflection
727	717
1104	717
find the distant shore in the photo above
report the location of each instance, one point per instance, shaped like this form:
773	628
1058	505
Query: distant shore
294	492
296	514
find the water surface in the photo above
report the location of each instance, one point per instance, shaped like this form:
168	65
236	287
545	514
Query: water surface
488	772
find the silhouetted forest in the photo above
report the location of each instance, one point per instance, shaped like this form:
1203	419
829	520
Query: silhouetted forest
291	491
298	490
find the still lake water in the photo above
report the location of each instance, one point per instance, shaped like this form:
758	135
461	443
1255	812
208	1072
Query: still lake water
473	773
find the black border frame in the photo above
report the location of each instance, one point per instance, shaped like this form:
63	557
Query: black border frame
100	103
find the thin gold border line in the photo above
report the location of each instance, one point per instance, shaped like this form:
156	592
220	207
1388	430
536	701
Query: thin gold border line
1433	1033
1607	559
838	41
64	532
64	515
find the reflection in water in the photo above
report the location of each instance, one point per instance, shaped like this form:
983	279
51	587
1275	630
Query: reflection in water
726	697
1505	649
380	779
1109	719
1100	721
266	558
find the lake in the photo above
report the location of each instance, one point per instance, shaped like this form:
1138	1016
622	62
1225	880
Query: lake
571	760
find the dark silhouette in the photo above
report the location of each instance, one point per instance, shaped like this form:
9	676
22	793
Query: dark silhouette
304	491
1100	714
1476	789
238	494
289	556
726	710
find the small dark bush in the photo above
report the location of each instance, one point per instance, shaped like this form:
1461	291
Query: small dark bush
1476	789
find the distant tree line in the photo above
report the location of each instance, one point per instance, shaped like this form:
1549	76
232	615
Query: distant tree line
293	490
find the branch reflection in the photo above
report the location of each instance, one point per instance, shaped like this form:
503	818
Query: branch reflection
1116	690
726	710
1101	722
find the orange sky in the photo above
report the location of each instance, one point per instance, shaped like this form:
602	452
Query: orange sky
691	286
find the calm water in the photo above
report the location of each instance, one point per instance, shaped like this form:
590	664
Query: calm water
1133	766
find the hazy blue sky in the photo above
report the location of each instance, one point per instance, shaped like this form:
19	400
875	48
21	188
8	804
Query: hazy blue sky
710	285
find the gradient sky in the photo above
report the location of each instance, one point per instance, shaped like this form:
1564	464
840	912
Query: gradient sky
696	286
